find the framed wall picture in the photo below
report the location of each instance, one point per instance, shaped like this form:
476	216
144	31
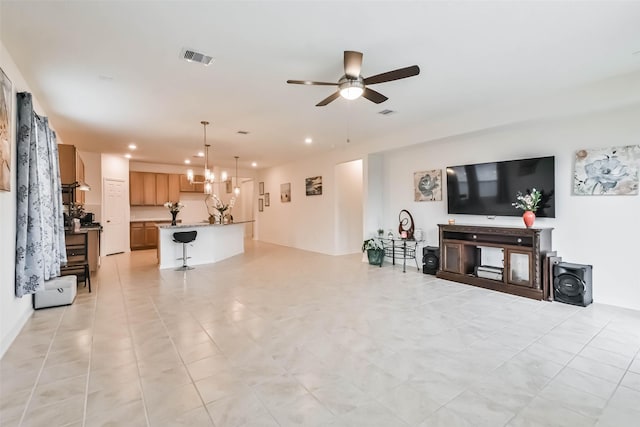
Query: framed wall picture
313	186
261	188
228	186
285	192
267	199
260	204
427	185
6	101
607	171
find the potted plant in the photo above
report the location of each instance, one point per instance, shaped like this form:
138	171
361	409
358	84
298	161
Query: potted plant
529	203
375	250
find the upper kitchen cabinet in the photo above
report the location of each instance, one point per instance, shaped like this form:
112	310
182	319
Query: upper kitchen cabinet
153	189
188	187
71	170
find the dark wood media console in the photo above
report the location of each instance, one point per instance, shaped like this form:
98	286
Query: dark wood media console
523	252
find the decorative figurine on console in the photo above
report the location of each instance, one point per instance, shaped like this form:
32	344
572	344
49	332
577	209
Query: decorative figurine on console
406	227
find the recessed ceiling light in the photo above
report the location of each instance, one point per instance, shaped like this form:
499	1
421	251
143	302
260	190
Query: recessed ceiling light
200	153
132	146
128	156
186	162
308	140
254	164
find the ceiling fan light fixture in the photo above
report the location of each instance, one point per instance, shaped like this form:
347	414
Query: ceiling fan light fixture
351	89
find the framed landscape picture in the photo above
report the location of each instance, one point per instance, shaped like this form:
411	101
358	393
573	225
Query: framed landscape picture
261	188
5	131
285	192
267	199
313	186
260	204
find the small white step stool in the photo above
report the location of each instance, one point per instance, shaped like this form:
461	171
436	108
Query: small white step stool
57	291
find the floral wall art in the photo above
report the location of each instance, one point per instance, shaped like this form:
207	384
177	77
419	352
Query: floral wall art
607	171
428	185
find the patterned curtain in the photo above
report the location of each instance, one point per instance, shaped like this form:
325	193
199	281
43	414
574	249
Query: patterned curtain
40	245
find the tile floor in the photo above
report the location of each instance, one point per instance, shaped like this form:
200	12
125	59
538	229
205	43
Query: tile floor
282	337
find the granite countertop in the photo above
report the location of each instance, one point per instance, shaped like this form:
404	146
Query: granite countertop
202	224
164	218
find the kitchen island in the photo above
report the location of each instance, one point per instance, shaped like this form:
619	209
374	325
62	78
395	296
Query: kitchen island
213	243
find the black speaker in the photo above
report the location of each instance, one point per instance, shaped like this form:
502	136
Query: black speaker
430	259
572	283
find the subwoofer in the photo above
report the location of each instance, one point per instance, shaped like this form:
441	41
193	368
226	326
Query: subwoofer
430	259
572	283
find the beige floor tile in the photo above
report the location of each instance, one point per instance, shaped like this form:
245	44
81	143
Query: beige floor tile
57	391
243	409
60	413
266	345
131	414
171	403
110	397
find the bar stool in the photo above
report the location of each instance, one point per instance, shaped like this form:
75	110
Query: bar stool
184	237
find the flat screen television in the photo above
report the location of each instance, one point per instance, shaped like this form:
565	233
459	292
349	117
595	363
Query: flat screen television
490	188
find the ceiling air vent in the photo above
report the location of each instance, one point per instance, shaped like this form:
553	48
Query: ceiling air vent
190	55
243	132
386	112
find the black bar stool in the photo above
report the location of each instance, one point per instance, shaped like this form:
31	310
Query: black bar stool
184	237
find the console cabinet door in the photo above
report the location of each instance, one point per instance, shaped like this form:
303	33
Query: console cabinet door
452	257
520	267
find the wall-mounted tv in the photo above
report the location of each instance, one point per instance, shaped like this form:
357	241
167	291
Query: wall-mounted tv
491	188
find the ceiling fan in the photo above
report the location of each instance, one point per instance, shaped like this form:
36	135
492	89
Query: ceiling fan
352	85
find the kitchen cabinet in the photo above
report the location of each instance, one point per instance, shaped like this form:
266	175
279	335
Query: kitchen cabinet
149	189
153	189
144	234
71	170
187	187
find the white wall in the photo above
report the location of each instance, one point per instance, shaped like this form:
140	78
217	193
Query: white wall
306	222
14	311
348	207
600	230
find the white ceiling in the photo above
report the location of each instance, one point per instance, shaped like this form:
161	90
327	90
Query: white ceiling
108	73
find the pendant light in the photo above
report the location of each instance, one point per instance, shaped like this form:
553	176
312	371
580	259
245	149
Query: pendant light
236	190
208	173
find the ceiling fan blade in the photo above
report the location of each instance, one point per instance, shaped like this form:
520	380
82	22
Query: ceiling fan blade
401	73
309	82
352	63
328	99
373	96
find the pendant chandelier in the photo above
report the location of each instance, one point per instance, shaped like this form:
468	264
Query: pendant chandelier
208	177
236	190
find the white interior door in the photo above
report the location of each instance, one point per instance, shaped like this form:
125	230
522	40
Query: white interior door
115	234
